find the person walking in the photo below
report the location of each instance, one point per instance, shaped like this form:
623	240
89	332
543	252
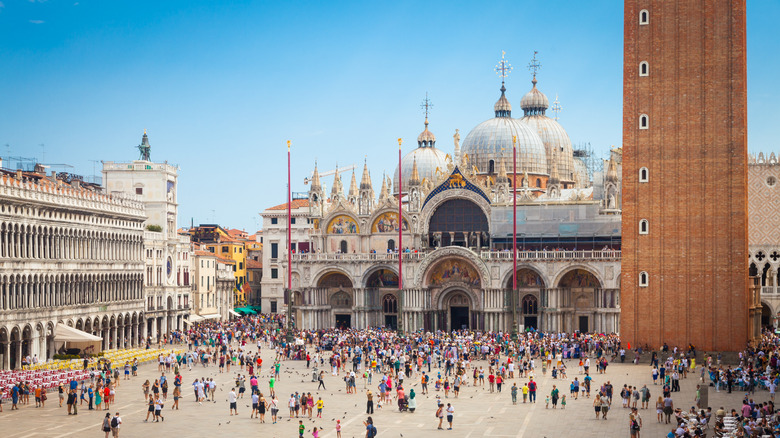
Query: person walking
635	422
440	414
450	415
554	396
116	423
106	426
233	400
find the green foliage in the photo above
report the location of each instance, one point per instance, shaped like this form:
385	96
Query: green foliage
152	227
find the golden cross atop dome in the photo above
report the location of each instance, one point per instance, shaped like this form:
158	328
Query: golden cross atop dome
426	105
534	66
503	67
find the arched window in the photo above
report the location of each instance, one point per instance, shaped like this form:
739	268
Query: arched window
530	305
643	174
491	166
644	226
643	280
538	182
644	17
391	245
389	304
343	247
644	68
644	122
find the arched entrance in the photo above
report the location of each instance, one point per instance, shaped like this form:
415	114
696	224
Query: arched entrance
766	315
530	285
5	349
340	297
458	305
580	291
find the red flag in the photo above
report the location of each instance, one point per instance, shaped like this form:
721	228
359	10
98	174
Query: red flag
629	345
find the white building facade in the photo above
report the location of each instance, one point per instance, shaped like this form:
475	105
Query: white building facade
167	255
68	255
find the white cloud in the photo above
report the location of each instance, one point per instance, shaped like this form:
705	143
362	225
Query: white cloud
37	21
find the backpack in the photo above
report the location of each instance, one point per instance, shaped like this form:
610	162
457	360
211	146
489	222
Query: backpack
114	422
371	431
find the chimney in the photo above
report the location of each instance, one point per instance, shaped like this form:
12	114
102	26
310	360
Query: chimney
19	174
53	176
76	184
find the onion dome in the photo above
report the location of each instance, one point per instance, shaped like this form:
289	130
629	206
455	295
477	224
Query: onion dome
534	102
491	139
425	157
426	138
552	134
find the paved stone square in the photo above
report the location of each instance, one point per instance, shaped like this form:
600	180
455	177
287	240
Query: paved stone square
478	413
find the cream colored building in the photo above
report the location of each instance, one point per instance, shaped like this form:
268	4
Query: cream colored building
69	254
167	254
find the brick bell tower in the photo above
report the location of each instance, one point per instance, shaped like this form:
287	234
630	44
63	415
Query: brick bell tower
684	267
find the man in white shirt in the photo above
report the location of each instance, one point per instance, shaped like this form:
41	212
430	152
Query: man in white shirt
232	398
118	421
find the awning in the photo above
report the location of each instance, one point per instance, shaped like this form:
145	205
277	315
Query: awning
233	312
246	311
212	316
196	318
74	338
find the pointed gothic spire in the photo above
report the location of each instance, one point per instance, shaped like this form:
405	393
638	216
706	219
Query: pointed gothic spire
415	179
365	181
383	192
612	170
353	188
554	177
502	177
315	179
337	189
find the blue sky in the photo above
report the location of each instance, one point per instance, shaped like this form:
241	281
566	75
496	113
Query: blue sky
221	86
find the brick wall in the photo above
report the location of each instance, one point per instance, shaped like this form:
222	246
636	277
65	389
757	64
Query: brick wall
695	149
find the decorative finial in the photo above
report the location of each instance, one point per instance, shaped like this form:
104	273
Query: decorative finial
288	145
556	107
534	66
426	106
144	131
399	143
503	68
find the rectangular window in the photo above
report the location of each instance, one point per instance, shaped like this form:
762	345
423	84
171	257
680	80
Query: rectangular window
240	250
139	190
274	273
292	220
225	249
273	306
274	250
240	266
274	221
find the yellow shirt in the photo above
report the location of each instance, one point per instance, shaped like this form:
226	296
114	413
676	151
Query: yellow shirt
320	404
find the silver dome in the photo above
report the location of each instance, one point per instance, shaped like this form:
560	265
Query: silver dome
581	173
492	138
428	159
534	102
554	136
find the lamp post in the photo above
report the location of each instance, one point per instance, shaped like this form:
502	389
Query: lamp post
514	237
400	245
289	251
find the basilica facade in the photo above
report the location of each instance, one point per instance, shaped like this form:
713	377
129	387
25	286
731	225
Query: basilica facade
456	236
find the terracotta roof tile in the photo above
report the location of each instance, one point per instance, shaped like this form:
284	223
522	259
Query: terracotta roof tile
296	203
254	264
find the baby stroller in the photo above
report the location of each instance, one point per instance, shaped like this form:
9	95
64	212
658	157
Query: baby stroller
403	404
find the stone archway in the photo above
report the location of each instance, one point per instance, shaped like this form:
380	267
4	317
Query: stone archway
579	290
455	309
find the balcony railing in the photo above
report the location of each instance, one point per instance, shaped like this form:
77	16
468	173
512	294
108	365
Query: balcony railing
768	290
553	255
485	255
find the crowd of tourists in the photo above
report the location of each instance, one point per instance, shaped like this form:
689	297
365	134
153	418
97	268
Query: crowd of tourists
384	365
